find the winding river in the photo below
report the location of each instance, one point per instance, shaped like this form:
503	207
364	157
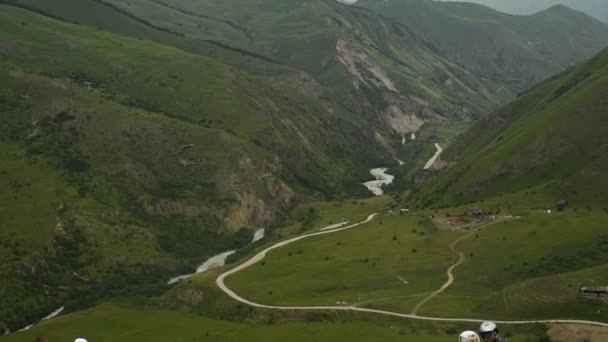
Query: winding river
382	179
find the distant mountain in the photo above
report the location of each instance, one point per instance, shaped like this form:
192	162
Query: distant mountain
595	8
367	63
516	51
550	142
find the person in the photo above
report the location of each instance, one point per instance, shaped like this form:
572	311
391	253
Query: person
489	332
469	336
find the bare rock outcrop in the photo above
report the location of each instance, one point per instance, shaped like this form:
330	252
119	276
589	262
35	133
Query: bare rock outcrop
363	69
254	210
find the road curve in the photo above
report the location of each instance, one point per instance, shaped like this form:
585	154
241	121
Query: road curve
220	281
450	273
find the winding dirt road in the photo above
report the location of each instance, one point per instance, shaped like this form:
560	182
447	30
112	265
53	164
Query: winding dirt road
220	281
450	273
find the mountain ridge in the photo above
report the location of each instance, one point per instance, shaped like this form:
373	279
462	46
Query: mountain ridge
548	140
520	50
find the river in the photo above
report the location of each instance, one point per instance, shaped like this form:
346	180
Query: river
47	317
382	179
213	262
216	260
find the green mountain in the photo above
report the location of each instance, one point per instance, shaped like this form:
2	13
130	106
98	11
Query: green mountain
138	137
516	51
595	8
126	161
364	62
550	142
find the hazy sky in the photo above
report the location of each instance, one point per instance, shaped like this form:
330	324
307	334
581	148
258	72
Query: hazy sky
597	8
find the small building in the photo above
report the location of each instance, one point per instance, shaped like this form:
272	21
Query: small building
562	205
475	212
588	291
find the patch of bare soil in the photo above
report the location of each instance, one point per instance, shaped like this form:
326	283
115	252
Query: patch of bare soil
363	69
577	333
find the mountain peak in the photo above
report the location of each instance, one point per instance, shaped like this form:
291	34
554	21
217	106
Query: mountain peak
560	9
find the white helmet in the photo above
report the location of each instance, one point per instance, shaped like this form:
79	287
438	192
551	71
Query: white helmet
488	329
469	336
80	339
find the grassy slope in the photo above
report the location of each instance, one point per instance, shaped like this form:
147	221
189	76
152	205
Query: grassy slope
304	36
550	140
146	319
147	144
539	278
97	94
349	267
122	324
516	51
502	277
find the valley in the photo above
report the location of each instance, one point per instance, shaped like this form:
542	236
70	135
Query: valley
305	170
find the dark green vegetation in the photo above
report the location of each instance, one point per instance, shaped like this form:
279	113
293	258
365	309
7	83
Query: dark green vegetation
550	143
122	324
110	143
377	69
138	137
515	51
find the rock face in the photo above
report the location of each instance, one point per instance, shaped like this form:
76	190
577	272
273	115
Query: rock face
256	195
402	119
363	69
264	208
402	113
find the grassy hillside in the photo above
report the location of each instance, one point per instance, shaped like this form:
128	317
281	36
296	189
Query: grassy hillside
389	72
440	61
595	8
109	143
139	137
128	324
525	264
549	141
516	51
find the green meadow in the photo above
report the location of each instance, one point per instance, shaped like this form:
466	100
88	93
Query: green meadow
114	323
516	267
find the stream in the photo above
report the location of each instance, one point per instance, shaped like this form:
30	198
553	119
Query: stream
216	260
213	262
47	317
382	179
